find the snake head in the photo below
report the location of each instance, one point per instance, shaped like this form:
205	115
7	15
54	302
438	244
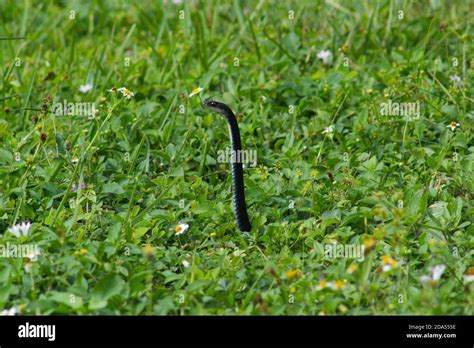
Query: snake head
217	107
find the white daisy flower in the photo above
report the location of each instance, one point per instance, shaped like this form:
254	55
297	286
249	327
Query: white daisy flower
352	268
437	272
468	278
195	91
325	56
180	229
338	285
453	125
435	276
22	229
425	279
324	284
85	88
328	130
126	92
469	275
28	266
388	263
456	80
33	255
9	312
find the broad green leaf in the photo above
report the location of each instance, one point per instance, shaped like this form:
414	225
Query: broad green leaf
107	287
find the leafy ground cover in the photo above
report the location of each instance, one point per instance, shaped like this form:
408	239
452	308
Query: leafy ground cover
360	114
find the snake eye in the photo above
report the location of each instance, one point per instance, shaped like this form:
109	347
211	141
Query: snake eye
211	104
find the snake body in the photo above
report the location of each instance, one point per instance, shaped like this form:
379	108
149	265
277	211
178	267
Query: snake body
240	208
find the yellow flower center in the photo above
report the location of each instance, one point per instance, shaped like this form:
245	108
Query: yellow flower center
352	268
368	243
339	284
293	274
148	250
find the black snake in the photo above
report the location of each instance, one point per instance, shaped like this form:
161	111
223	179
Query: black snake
240	208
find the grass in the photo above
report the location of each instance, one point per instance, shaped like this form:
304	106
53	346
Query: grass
331	166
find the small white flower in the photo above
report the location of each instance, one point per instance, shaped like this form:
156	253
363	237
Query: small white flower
453	125
435	275
28	266
425	279
126	92
180	229
352	268
469	275
324	284
328	130
388	263
186	264
195	91
468	278
338	285
85	88
437	272
456	80
9	312
33	255
325	56
22	229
